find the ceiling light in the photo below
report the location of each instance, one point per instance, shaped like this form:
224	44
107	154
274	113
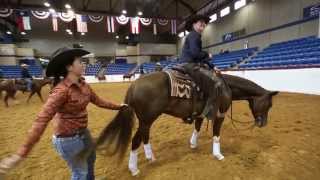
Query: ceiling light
67	6
213	18
46	4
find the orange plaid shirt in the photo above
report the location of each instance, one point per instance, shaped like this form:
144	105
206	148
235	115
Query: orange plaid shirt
67	104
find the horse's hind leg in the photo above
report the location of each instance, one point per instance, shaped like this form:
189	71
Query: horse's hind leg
30	95
216	136
40	96
146	144
195	133
142	134
133	158
6	100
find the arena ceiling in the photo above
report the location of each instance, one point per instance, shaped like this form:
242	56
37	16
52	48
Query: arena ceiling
179	9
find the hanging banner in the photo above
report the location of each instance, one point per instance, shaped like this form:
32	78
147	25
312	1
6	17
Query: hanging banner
5	12
146	21
173	26
163	22
81	23
123	20
154	28
96	19
40	14
54	22
110	24
135	25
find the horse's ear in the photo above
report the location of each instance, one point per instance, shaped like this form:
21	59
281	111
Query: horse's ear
273	93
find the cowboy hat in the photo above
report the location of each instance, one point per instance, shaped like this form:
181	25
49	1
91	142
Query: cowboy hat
24	65
60	58
194	19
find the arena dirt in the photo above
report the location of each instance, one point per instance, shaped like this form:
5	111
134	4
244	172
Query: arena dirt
288	148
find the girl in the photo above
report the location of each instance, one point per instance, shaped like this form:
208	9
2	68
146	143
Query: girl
67	104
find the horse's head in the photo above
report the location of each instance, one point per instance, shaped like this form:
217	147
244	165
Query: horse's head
260	106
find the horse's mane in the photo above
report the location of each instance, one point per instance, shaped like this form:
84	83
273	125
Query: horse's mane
243	84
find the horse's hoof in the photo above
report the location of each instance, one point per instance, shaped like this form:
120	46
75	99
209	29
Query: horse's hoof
219	156
134	172
152	160
193	146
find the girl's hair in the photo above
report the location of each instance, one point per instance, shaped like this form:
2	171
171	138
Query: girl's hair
62	73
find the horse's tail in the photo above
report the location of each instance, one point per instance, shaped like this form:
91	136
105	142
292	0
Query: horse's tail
116	135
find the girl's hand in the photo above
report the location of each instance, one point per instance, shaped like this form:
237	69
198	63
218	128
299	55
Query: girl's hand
9	163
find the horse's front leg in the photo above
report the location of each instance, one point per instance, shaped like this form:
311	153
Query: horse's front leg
195	133
216	136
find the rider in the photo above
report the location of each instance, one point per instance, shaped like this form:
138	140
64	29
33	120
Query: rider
26	76
1	73
197	60
158	67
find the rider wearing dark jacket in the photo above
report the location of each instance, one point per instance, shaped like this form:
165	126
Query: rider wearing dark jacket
192	49
195	57
26	76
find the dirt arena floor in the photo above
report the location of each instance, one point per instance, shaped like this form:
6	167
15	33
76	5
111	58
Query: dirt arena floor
288	148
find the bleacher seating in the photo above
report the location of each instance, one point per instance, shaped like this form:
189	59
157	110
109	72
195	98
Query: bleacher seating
13	71
227	60
119	68
92	70
294	53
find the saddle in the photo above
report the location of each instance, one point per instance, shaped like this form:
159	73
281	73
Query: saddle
182	86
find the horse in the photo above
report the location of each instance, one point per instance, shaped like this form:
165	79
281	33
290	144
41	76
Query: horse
128	76
37	85
11	86
156	86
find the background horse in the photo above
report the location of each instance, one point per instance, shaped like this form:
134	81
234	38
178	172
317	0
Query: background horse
11	86
37	85
128	76
149	97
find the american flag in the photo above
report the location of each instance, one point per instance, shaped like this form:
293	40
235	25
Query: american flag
173	27
110	24
135	26
82	23
54	22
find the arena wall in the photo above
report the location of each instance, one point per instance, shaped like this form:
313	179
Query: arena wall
286	80
258	16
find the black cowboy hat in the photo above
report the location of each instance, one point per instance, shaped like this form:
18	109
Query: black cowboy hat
195	19
61	57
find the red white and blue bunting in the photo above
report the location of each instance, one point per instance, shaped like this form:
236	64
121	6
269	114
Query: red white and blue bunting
146	21
81	20
66	17
40	14
96	19
123	20
5	12
163	22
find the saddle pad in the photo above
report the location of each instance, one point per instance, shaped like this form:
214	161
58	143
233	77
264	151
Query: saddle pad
181	84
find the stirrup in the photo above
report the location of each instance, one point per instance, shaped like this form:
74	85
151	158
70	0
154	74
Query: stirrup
188	120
